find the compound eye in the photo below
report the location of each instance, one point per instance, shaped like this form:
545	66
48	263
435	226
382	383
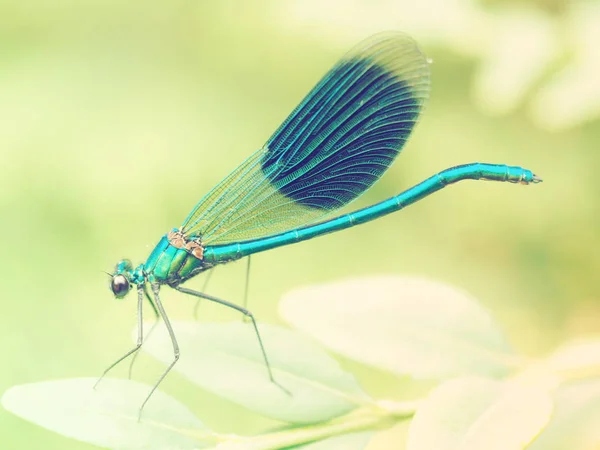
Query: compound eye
119	286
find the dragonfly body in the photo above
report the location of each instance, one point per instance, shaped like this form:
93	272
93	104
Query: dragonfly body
176	258
335	145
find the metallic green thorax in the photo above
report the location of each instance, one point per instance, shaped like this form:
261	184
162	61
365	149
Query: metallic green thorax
172	263
169	263
176	258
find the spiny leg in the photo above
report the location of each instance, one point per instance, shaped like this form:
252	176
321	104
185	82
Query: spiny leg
246	288
246	314
204	287
156	317
165	318
140	337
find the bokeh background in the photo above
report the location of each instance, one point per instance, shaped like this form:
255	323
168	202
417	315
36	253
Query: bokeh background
116	117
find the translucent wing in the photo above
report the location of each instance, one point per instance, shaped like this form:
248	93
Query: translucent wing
332	148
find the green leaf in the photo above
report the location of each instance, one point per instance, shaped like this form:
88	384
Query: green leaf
574	424
474	413
107	416
577	358
281	441
226	359
352	441
407	325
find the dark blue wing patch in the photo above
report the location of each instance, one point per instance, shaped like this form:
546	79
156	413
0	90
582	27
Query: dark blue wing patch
345	133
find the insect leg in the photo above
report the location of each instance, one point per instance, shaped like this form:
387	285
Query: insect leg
246	314
140	337
165	318
156	317
204	287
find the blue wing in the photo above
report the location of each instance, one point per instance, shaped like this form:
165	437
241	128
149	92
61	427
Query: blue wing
340	140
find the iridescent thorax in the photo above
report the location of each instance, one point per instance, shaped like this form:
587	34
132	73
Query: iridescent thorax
175	259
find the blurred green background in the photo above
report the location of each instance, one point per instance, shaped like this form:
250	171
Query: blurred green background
116	117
